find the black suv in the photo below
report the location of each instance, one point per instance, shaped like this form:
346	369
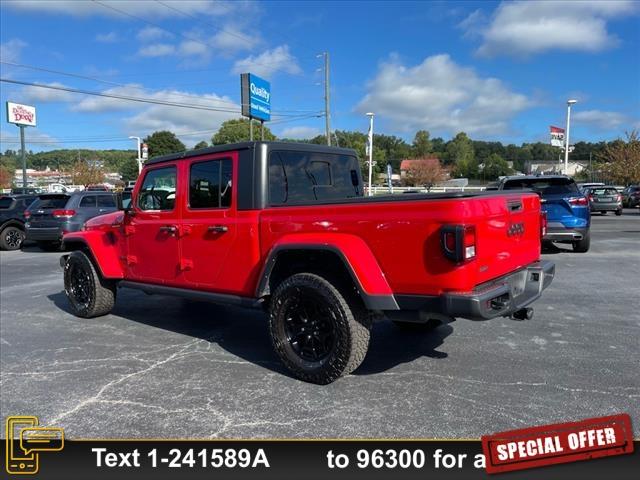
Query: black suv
52	215
12	220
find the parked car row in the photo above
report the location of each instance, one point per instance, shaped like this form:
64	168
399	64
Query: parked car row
46	217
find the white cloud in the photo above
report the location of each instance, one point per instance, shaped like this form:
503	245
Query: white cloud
149	34
134	7
231	40
601	119
157	50
111	37
442	96
10	51
192	47
45	95
300	133
269	62
523	28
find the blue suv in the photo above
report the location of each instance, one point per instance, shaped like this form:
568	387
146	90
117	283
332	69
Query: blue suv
567	209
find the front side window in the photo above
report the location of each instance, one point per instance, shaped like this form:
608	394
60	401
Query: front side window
210	184
158	190
299	178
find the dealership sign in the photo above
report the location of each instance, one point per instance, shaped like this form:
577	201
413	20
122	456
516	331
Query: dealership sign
557	136
21	114
255	97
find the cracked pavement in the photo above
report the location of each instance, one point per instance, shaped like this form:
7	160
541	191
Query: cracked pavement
162	367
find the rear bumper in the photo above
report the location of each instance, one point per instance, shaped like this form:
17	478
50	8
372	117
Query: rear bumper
44	234
559	234
498	298
606	207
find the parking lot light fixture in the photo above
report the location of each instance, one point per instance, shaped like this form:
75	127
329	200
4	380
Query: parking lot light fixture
138	159
566	137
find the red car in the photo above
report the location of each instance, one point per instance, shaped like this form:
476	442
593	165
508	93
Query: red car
285	227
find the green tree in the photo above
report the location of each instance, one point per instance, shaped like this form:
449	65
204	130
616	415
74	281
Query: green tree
200	144
234	131
129	169
422	146
461	154
163	143
623	159
495	166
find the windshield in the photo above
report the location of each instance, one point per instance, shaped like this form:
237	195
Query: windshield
544	186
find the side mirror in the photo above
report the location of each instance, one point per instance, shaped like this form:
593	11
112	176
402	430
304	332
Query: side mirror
123	201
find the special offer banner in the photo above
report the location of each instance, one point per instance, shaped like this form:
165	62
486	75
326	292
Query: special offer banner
593	448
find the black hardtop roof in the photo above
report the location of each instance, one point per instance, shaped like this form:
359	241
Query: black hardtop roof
304	147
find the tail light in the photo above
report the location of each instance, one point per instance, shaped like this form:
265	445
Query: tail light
618	198
543	224
591	198
63	213
27	214
458	242
579	202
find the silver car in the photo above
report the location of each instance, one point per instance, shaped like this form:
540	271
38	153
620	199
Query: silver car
604	199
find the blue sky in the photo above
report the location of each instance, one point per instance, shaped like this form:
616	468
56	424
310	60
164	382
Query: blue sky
496	70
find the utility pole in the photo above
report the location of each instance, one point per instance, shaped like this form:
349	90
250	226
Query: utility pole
566	137
327	111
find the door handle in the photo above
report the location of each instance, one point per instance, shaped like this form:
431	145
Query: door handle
218	229
171	229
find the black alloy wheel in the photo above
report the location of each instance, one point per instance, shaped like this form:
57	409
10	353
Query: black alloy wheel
11	238
309	325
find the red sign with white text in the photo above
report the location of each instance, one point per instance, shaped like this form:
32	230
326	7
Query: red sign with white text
558	443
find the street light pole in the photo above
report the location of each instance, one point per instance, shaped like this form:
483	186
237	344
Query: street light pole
566	137
138	155
370	115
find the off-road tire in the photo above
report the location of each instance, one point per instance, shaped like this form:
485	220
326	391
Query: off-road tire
100	293
582	246
49	246
11	238
351	327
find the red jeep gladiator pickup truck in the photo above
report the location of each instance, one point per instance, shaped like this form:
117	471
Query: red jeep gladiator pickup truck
285	227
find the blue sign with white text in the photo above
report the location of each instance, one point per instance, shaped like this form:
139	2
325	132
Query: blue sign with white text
256	97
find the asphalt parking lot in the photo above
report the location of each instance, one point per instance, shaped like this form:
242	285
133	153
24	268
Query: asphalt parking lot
163	367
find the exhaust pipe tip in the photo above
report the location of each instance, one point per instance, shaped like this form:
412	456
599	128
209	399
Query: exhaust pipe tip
522	314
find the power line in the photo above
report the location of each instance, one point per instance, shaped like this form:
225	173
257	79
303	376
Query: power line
86	77
134	99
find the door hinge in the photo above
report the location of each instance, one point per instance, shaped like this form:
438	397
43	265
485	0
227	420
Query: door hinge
186	265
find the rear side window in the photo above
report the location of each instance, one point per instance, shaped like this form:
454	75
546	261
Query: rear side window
545	186
44	203
106	201
158	190
210	184
299	178
5	202
88	201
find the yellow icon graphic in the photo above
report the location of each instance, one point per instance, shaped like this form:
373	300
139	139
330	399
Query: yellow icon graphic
25	440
